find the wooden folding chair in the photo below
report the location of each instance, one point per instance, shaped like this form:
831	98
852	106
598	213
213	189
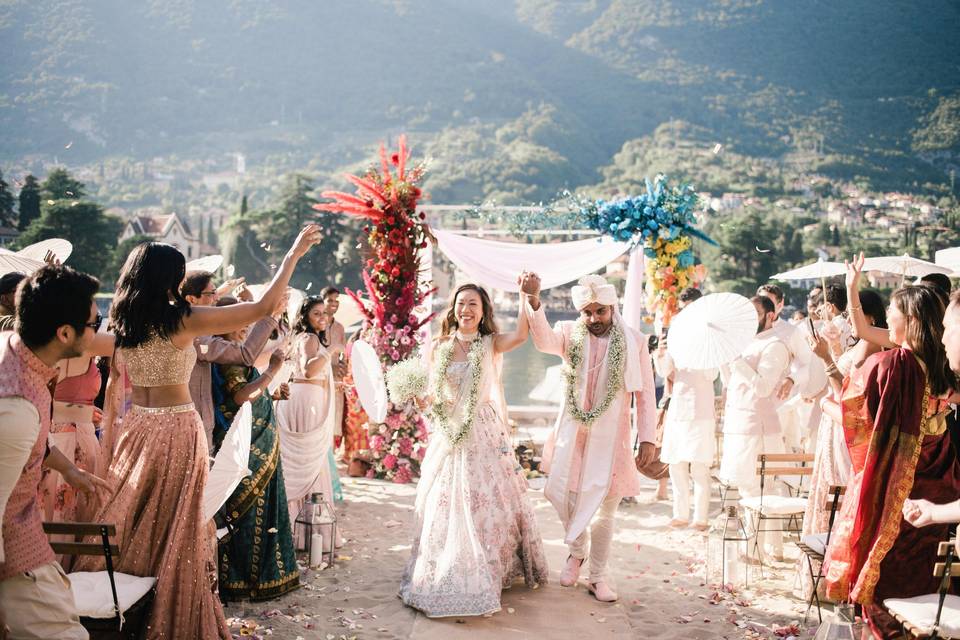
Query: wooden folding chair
784	509
814	547
934	616
121	612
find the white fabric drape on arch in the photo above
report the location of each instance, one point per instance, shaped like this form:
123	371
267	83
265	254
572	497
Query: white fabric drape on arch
497	264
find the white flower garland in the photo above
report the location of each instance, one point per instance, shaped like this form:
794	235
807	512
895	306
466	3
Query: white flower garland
442	420
615	357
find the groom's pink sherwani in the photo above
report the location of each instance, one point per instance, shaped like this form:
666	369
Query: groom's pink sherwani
624	479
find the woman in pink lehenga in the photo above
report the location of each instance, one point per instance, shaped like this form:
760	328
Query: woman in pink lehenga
160	465
475	531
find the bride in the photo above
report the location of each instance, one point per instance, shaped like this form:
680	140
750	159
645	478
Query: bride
475	531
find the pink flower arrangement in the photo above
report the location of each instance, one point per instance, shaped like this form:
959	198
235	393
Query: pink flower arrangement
405	445
403	474
386	197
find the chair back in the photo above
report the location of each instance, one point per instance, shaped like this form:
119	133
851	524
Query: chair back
784	465
104	547
832	506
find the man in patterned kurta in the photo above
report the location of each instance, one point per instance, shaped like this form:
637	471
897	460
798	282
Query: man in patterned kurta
590	459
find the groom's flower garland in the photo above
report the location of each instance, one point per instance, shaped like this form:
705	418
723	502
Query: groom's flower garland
440	417
615	357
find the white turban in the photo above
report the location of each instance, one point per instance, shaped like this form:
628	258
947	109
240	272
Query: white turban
591	289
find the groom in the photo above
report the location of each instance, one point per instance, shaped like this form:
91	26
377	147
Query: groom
590	458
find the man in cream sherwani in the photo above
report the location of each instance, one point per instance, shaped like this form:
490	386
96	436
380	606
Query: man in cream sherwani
590	458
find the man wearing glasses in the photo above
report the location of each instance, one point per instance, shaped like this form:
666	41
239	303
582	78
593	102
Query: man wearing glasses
198	289
56	319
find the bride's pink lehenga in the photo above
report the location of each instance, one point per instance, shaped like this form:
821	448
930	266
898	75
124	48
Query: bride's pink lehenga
475	530
159	472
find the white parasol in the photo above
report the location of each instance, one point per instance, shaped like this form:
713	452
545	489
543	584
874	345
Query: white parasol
230	465
12	262
949	258
551	388
368	378
712	331
60	248
821	269
206	263
904	266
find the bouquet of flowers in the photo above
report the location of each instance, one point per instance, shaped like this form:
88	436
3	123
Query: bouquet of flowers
407	380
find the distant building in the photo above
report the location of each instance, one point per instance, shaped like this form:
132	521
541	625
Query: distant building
169	228
8	235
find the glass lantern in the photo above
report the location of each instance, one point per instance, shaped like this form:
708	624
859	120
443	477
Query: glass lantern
839	626
315	530
727	546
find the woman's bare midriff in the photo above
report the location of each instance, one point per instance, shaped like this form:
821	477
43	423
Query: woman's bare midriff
170	395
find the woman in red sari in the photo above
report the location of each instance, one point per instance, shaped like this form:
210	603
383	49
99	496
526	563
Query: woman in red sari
893	419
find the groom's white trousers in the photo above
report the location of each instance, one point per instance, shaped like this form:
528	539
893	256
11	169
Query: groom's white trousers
595	541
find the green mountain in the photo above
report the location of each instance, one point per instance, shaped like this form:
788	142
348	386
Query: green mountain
513	100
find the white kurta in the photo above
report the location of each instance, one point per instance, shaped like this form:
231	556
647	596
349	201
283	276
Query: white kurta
689	428
750	422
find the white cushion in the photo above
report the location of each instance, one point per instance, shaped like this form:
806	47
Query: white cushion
922	610
816	541
92	595
775	505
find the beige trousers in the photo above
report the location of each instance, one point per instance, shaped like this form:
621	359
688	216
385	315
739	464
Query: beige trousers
39	604
596	540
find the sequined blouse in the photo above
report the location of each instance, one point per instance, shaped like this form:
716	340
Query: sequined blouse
158	362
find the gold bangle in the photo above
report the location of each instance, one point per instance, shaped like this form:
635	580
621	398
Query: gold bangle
853	308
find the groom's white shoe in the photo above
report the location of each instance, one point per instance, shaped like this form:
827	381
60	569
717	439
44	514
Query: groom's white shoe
570	573
602	592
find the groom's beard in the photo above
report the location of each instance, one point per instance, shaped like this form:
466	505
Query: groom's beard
599	329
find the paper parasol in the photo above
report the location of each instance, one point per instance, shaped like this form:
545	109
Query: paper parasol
949	258
206	263
368	377
821	269
60	248
230	465
712	331
904	266
12	262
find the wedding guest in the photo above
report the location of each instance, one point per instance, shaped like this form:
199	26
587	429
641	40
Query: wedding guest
832	465
198	290
8	291
689	438
474	528
306	418
893	418
162	460
337	337
751	425
56	319
256	558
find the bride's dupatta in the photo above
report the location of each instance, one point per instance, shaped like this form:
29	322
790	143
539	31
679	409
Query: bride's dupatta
883	413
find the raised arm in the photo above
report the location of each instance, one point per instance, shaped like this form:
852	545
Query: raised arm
242	390
206	321
861	329
505	342
545	339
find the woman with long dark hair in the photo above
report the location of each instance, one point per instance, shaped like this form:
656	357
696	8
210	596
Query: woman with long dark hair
306	420
161	461
894	422
475	531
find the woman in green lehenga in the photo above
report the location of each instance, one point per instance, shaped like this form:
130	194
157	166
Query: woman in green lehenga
256	557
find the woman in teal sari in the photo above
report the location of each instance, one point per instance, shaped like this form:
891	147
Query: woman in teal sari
256	557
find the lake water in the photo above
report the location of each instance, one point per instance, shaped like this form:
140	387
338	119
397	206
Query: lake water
523	370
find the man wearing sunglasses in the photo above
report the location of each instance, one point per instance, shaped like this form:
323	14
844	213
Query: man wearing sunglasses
56	319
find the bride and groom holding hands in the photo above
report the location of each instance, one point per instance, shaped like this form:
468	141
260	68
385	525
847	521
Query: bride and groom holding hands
475	530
